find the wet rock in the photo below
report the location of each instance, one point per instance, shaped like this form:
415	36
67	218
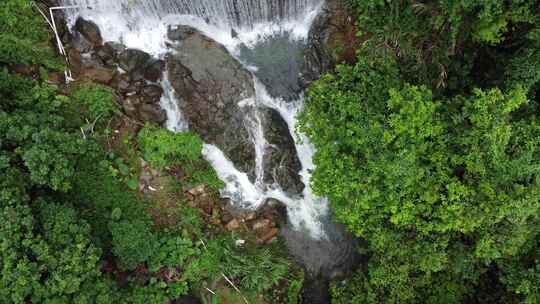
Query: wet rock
152	113
273	203
316	290
249	216
234	224
332	40
117	47
226	217
268	236
130	106
90	31
152	92
75	61
335	252
262	224
107	54
154	70
212	84
99	75
132	59
135	88
181	32
123	85
134	62
280	159
80	43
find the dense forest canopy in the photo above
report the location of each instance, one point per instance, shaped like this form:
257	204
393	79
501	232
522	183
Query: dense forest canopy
428	149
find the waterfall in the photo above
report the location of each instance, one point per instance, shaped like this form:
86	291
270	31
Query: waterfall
234	13
143	24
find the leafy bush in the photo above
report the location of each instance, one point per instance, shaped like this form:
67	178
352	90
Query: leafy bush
436	42
32	130
24	38
433	186
164	148
133	242
201	173
98	100
294	292
97	193
54	262
255	269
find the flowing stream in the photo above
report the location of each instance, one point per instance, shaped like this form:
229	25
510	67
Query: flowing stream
248	29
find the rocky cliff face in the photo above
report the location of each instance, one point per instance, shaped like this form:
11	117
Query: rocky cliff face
216	95
332	40
214	92
280	158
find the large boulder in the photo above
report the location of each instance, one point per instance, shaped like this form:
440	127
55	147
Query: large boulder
90	31
213	88
108	53
152	113
140	65
281	162
99	75
332	40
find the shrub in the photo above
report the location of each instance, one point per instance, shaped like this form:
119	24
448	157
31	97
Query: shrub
133	242
256	269
432	184
164	148
294	291
98	101
24	38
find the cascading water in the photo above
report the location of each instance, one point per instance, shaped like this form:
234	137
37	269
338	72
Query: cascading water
247	28
234	13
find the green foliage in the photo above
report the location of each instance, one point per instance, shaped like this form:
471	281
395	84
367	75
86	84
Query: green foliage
98	100
164	148
99	194
203	173
294	292
254	269
24	38
522	274
173	251
133	242
32	130
523	69
436	41
441	190
59	264
353	290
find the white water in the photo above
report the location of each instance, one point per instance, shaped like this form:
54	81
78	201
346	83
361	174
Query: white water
144	24
175	119
235	13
